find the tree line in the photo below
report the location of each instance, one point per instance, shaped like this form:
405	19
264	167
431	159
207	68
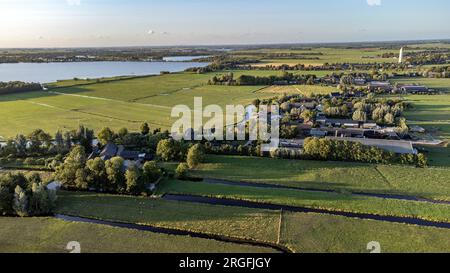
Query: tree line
17	86
286	78
23	196
337	150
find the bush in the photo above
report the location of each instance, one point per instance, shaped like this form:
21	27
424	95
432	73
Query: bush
29	161
182	171
195	156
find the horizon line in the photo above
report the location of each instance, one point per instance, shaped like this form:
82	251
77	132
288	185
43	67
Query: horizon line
435	40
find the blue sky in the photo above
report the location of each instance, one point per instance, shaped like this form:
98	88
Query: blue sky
58	23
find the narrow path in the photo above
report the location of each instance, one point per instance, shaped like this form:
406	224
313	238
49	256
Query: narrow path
177	232
367	194
259	205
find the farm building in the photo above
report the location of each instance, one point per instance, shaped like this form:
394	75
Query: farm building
394	146
112	150
414	89
377	85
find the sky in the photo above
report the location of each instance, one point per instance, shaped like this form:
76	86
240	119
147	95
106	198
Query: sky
96	23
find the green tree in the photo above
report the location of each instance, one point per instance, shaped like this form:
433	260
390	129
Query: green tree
182	171
360	115
21	145
20	204
167	150
96	176
151	172
106	135
389	119
116	176
307	115
145	128
422	160
133	177
122	132
42	201
67	172
59	142
195	156
39	140
6	200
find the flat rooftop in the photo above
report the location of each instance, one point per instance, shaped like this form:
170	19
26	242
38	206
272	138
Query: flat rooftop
395	146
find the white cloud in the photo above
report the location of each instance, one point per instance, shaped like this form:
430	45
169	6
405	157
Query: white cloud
374	3
73	2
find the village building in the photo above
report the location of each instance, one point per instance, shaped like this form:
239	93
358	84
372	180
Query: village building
111	150
378	85
414	89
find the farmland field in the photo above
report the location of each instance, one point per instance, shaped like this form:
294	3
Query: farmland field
301	232
319	200
326	55
432	113
244	223
431	182
306	233
117	104
48	235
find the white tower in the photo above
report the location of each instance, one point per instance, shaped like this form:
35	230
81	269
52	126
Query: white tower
400	57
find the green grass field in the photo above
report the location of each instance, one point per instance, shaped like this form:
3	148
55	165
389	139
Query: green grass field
432	113
301	232
309	233
430	182
237	222
320	200
48	235
329	55
125	103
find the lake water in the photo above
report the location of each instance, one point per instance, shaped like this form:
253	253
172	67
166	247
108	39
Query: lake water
51	72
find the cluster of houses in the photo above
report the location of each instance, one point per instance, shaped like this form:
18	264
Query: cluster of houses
368	133
402	88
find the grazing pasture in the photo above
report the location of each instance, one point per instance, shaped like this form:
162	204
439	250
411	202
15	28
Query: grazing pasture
49	235
311	233
300	232
117	104
236	222
430	183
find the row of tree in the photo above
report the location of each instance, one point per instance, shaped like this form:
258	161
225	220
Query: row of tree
332	150
286	78
41	143
25	195
15	87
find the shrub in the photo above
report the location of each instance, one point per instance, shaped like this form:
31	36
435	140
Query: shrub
182	171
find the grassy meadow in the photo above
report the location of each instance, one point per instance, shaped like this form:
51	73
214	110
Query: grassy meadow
310	233
124	103
328	55
431	182
237	222
320	200
301	232
48	235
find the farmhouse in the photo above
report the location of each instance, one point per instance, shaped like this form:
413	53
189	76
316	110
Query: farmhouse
414	89
377	85
111	150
